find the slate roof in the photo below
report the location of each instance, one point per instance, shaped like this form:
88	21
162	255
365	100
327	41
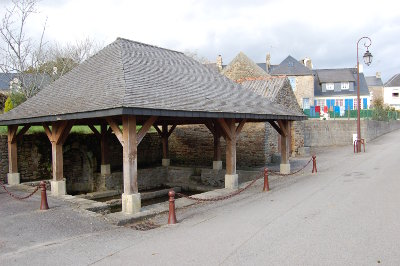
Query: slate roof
264	67
243	67
276	88
128	77
339	75
373	81
393	81
291	67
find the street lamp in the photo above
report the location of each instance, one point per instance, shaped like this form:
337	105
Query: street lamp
367	60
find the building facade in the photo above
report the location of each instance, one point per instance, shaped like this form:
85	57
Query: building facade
392	92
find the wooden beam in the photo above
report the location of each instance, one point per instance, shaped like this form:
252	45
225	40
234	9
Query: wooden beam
104	143
171	130
48	132
227	133
22	132
276	127
283	125
12	149
12	134
231	147
64	134
117	131
210	127
95	131
146	126
158	130
130	154
240	127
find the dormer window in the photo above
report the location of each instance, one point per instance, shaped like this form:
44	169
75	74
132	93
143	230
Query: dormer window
330	86
345	86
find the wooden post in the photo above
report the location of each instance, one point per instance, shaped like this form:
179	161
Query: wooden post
284	126
104	145
57	135
164	138
130	154
217	145
129	139
231	149
12	149
231	133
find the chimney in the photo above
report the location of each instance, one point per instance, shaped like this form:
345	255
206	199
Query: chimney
307	63
378	75
219	62
268	62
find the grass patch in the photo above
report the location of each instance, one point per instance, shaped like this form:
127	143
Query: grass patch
75	129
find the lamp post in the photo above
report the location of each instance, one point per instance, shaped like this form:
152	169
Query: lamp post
367	60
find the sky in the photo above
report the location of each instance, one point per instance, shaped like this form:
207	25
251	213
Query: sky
325	31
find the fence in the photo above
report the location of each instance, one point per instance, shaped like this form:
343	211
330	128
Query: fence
364	113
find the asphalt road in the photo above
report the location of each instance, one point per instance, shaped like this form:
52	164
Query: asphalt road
347	214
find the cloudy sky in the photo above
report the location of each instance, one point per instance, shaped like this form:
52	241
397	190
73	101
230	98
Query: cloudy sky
325	31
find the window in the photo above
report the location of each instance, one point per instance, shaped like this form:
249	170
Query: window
306	103
292	82
395	94
345	86
339	102
330	86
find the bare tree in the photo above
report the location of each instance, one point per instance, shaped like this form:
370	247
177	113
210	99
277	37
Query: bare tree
199	58
19	52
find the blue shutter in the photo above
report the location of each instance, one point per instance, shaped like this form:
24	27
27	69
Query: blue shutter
365	103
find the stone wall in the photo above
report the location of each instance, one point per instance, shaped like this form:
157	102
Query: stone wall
340	132
304	89
81	158
193	145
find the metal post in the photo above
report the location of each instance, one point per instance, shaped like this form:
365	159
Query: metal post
43	202
266	183
172	215
314	167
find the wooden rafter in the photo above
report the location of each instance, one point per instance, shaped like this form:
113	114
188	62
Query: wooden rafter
240	127
283	127
276	127
171	130
95	131
143	130
225	129
115	128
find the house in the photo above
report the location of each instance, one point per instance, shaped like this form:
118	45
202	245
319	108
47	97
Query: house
6	79
375	86
337	89
300	77
392	91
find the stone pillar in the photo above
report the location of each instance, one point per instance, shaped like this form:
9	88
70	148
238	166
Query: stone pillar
231	178
131	202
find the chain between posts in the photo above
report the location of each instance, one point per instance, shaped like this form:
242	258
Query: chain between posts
295	172
237	192
17	197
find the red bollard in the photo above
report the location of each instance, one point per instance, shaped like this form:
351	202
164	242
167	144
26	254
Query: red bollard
266	183
43	203
314	164
171	216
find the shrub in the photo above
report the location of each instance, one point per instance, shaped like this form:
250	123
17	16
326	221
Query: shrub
8	105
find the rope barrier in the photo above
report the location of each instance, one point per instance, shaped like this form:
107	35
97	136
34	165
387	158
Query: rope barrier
17	197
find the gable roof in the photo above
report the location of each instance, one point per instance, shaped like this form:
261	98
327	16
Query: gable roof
336	76
393	81
243	67
276	88
291	67
128	77
373	81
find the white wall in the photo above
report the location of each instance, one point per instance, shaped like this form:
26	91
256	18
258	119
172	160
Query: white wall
389	99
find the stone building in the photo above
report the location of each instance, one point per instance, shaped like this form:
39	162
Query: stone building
375	86
301	79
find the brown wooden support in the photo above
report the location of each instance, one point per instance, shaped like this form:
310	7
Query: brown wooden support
284	126
165	134
105	149
130	139
216	132
230	133
57	135
12	149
